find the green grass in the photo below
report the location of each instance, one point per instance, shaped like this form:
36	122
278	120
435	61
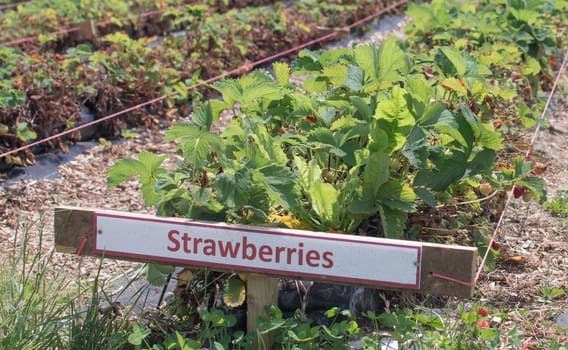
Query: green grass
32	304
40	307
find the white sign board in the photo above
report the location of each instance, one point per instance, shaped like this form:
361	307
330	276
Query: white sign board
302	254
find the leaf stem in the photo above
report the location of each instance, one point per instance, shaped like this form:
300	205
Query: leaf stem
479	200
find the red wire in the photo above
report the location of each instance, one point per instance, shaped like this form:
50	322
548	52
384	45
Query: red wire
34	37
82	246
245	67
510	195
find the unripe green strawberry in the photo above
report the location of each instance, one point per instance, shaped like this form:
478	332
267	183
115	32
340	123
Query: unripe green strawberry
485	189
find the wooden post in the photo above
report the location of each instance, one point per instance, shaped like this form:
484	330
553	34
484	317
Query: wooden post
261	291
86	32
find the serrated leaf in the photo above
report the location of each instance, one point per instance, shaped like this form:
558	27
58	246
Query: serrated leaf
376	172
396	195
448	171
207	114
489	139
394	119
147	166
396	109
391	60
230	90
336	73
196	144
381	65
279	182
234	293
156	273
151	161
196	149
421	91
367	57
123	170
24	133
355	78
139	333
364	110
306	174
181	89
233	189
427	196
181	130
536	185
507	94
393	222
260	90
531	67
522	167
483	162
281	72
416	150
450	62
322	136
315	84
270	146
324	202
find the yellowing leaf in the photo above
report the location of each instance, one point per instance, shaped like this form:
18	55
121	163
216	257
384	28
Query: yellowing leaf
454	85
515	259
184	276
234	293
289	221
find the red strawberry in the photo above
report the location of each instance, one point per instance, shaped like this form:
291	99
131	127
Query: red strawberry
518	191
495	245
482	311
482	324
311	118
497	123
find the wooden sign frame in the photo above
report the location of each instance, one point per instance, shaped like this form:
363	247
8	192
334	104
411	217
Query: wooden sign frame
77	229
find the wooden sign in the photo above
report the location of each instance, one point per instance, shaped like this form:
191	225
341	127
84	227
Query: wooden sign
347	259
265	253
294	253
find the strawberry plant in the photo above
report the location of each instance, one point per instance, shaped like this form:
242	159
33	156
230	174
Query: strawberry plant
324	151
419	137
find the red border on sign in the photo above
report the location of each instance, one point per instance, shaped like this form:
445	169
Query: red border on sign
278	231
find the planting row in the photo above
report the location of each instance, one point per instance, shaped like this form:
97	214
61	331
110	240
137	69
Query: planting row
44	17
43	94
46	26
